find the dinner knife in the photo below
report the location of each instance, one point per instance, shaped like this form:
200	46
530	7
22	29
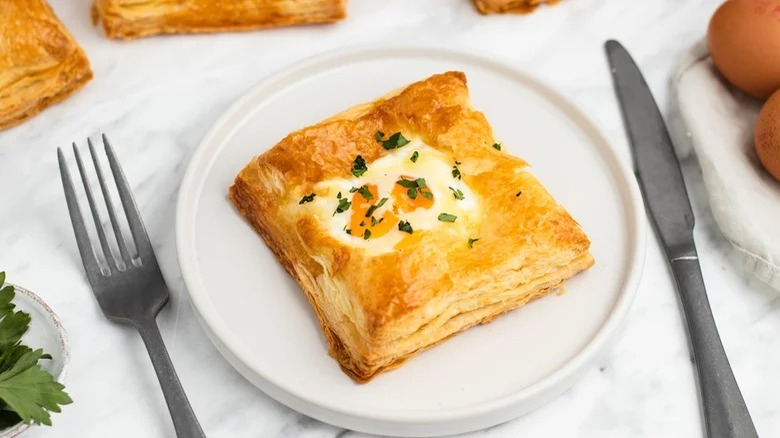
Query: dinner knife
663	188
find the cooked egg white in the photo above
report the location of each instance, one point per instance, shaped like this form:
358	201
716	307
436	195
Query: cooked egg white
381	178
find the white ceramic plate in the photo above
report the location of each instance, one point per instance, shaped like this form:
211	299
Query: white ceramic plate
45	332
261	322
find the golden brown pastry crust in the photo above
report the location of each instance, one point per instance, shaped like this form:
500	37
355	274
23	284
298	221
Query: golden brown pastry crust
127	19
40	62
514	6
378	310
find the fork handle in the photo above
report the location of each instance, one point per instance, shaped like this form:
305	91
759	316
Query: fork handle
184	420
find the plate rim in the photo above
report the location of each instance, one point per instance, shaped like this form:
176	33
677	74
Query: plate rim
191	188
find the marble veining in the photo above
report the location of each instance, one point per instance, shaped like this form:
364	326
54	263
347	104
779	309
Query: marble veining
157	97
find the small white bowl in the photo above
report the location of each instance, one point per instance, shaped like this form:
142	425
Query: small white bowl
45	332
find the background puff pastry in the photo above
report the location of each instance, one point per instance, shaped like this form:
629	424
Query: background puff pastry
40	62
517	6
128	19
379	305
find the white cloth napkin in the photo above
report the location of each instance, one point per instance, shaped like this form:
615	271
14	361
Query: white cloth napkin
718	127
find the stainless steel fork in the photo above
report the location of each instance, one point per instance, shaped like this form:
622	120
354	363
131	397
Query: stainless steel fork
130	289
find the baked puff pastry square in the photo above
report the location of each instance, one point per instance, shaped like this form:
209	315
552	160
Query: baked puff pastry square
404	222
515	6
40	62
127	19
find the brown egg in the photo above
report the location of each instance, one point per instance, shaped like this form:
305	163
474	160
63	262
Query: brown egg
744	41
767	135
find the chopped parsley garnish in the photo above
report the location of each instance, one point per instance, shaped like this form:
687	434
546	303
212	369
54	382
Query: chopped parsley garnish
414	157
393	142
518	194
366	234
458	162
415	186
348	231
497	146
457	193
373	221
307	198
366	193
343	206
338	196
405	226
407	183
373	208
456	171
362	223
353	190
359	166
446	217
471	242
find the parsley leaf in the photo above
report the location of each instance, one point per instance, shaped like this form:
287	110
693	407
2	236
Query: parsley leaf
393	142
366	234
497	146
366	193
6	295
457	193
359	166
343	206
12	327
414	157
405	226
415	187
456	171
373	221
373	208
31	391
518	194
471	242
307	198
407	183
446	217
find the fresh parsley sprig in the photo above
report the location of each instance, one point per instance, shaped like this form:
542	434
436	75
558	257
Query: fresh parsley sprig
28	392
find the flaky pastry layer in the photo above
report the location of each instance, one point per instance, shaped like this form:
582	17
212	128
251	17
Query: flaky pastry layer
128	19
379	310
40	62
512	6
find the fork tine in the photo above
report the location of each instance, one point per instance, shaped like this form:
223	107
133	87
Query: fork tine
109	205
110	262
77	220
137	228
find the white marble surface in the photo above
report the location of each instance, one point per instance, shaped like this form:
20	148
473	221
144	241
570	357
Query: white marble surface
158	96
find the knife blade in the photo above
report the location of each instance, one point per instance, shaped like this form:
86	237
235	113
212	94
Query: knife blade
666	198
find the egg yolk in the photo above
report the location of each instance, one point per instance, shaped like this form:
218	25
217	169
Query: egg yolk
423	198
361	221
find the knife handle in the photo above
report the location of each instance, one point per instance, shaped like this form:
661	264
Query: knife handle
725	412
